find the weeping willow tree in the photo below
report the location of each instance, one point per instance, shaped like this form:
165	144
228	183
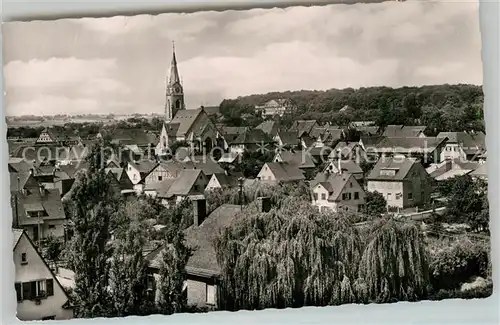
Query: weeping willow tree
394	264
289	257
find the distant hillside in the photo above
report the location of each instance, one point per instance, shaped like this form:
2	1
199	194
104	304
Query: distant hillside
384	105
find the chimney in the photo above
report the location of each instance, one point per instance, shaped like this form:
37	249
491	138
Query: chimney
31	171
264	203
42	189
199	211
339	166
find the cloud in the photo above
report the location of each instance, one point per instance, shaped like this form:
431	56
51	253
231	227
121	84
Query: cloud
171	26
56	72
300	64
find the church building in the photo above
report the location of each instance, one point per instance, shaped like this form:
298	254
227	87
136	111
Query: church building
181	124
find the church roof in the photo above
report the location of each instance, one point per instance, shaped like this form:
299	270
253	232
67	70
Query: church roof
184	119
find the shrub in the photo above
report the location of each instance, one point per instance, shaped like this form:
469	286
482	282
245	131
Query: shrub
458	263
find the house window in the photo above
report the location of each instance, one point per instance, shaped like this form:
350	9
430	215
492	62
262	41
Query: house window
350	185
315	196
360	207
49	318
37	289
398	196
389	196
160	178
210	294
24	258
52	226
196	187
356	195
410	196
135	177
323	196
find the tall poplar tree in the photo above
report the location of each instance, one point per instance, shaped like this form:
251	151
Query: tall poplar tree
91	205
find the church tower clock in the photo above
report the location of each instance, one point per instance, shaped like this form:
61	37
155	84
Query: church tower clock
175	91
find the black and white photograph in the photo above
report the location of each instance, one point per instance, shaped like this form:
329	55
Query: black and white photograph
250	159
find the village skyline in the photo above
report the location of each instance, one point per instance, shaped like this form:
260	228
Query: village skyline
119	65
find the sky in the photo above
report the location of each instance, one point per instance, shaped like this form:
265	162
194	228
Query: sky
119	65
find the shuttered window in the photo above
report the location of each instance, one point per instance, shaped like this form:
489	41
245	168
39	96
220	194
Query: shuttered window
50	287
19	292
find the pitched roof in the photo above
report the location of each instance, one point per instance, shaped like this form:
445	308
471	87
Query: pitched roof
400	166
252	136
131	136
348	166
285	172
371	141
481	171
144	166
303	127
19	164
288	137
403	130
180	185
201	238
409	144
228	179
17	233
269	127
333	183
472	143
48	203
301	159
212	110
185	118
229	157
21	183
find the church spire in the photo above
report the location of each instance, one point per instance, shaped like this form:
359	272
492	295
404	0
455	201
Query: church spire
174	72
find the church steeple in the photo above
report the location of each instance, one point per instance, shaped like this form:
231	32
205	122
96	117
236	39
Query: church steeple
175	91
174	72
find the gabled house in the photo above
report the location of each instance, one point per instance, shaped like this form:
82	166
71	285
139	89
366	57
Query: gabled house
251	140
287	138
60	137
226	134
279	172
304	127
221	180
399	131
348	151
301	159
120	180
138	170
276	107
427	148
39	294
38	211
190	183
463	145
337	192
326	136
344	167
402	181
269	127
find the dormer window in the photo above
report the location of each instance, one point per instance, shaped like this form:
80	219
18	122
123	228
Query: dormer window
388	172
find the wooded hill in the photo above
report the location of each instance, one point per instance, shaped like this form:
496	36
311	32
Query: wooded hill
457	106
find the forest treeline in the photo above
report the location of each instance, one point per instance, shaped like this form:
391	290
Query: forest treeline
441	107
